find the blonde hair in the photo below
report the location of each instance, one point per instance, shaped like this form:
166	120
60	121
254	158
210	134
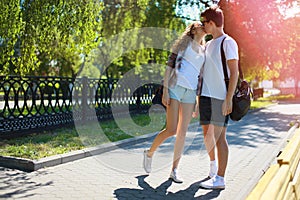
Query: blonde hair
183	41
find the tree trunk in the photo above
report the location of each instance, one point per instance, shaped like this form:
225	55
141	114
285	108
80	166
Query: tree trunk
81	66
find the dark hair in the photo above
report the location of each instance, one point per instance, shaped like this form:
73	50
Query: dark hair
215	14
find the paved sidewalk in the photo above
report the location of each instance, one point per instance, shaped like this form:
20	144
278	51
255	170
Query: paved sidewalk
254	144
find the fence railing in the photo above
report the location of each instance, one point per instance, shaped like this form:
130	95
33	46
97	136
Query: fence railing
33	103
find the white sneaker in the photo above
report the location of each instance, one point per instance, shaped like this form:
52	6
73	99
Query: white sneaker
147	162
216	182
213	169
174	176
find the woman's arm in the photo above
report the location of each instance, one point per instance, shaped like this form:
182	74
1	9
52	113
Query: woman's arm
166	97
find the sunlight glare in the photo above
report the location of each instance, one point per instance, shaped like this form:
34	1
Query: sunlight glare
292	11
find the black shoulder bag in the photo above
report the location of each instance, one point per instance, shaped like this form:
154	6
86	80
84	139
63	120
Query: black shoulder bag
241	99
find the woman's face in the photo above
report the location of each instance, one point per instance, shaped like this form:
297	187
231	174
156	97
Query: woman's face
199	29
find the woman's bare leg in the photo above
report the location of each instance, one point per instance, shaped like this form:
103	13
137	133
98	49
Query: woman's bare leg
170	130
185	116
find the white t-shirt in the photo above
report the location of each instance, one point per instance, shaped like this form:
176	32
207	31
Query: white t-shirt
187	75
213	76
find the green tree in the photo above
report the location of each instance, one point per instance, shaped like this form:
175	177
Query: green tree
291	65
260	29
55	31
117	17
11	27
123	41
162	14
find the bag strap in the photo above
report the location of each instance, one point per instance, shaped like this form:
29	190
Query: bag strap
226	79
200	76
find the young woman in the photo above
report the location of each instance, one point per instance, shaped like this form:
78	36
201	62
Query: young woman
180	99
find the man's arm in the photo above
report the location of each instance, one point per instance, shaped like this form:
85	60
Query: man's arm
233	79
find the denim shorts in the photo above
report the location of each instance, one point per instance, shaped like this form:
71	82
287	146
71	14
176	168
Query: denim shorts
183	95
210	110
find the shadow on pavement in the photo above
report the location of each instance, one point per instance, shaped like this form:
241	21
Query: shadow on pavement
259	127
147	192
18	183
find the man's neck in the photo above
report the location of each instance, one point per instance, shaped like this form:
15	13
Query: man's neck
218	32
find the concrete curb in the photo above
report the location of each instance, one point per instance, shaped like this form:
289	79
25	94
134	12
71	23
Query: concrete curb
28	165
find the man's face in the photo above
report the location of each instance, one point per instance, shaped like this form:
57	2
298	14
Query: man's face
206	24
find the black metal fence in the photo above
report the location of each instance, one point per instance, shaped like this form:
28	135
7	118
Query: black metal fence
33	103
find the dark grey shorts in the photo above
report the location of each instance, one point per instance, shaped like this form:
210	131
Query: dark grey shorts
210	110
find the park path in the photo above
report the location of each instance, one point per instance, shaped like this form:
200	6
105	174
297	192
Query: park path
254	143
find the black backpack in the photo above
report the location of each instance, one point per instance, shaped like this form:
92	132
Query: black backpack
241	100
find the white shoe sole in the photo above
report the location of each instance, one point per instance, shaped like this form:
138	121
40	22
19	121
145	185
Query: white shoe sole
221	187
175	180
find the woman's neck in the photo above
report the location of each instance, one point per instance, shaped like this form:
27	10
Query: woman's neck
198	39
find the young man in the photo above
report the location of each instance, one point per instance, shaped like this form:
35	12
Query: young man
215	100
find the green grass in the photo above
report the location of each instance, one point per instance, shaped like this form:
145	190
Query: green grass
41	145
262	102
64	140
